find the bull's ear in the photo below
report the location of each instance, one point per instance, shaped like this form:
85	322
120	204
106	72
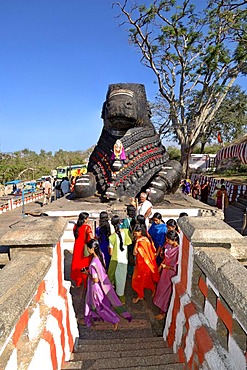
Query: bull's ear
103	111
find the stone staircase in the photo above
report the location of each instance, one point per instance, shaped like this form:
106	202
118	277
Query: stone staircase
135	345
129	353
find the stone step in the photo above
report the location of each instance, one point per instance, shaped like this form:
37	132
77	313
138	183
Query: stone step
142	341
122	344
138	328
78	365
120	352
128	353
120	361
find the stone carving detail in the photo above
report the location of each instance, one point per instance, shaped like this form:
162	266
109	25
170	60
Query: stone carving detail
129	156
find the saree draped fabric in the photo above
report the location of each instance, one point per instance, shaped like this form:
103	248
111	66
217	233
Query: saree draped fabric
79	260
102	303
146	273
164	287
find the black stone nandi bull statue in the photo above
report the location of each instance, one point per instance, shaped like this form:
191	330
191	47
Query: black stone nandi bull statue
129	156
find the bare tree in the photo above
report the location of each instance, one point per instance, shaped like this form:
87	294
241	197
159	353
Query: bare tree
190	50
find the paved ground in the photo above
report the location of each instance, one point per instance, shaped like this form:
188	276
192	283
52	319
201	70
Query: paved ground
233	215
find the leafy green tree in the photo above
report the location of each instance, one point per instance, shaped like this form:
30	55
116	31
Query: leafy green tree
190	49
231	118
28	165
208	149
174	153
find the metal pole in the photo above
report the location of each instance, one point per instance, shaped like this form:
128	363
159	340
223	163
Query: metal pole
244	221
23	201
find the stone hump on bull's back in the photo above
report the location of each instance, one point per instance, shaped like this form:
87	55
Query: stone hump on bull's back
129	156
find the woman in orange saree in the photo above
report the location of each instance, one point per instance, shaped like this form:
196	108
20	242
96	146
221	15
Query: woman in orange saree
146	275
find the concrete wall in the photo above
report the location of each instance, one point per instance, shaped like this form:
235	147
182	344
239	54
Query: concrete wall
37	323
207	318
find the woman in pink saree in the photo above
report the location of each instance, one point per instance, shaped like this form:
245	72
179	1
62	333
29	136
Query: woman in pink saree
168	269
102	303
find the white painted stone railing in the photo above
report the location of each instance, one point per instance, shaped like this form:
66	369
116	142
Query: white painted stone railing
234	190
15	202
207	319
38	328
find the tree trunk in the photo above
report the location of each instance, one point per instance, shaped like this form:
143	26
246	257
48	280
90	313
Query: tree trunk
185	156
203	144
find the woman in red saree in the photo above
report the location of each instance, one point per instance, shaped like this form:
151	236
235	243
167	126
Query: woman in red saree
83	233
146	274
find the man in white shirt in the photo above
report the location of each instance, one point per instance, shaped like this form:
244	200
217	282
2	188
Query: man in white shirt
145	208
47	191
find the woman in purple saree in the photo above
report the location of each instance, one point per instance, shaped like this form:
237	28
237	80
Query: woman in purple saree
102	303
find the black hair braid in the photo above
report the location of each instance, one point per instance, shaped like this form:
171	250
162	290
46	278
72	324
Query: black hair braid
93	243
115	220
81	220
132	224
117	229
104	229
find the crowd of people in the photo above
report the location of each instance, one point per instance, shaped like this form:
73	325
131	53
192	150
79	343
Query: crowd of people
122	248
60	188
202	192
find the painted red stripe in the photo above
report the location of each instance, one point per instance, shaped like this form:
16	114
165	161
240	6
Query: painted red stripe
63	293
189	310
203	287
59	268
48	337
172	328
70	336
203	343
181	355
40	291
58	314
224	315
20	327
185	261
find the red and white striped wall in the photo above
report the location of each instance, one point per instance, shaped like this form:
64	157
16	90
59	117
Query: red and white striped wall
47	329
13	203
192	332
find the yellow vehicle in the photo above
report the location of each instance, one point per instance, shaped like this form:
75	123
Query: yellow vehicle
73	170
